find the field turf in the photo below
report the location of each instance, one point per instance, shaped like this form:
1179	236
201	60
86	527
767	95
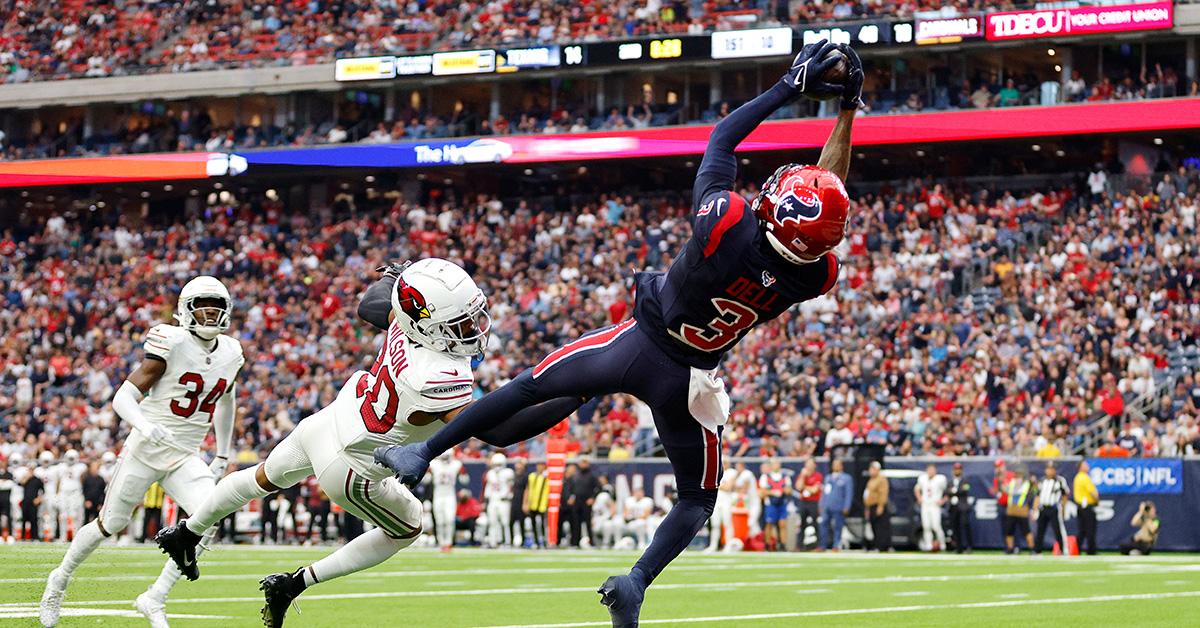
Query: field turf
423	588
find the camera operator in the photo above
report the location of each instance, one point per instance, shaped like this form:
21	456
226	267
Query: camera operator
1148	525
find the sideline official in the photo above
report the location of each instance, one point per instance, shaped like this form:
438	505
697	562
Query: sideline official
1086	497
1050	504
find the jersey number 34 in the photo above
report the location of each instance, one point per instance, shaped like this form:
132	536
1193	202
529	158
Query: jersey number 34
194	382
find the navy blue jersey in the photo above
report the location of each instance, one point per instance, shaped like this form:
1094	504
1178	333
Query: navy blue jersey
727	280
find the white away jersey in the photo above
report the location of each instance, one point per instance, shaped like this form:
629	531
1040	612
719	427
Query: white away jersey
498	484
445	477
70	477
374	407
931	488
185	397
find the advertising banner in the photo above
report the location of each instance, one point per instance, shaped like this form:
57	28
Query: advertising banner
1079	21
464	62
1136	476
1114	513
364	68
949	30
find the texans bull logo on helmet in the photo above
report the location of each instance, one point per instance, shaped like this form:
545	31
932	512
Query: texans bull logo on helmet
800	203
412	301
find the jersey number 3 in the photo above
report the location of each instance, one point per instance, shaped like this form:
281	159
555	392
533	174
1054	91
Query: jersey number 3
732	319
195	385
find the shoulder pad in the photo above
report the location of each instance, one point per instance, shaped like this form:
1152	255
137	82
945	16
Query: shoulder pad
161	339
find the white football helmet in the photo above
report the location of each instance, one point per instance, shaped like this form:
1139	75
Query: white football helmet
439	307
203	287
71	457
46	458
108	457
499	460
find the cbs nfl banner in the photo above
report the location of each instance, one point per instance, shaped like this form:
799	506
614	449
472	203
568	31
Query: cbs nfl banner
1136	476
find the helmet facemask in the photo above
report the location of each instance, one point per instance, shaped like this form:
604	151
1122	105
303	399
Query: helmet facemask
206	315
461	332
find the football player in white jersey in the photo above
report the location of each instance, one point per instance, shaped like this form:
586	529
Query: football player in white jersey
47	472
70	474
497	494
445	471
437	321
721	524
183	385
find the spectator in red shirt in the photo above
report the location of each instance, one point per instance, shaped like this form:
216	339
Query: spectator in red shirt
467	513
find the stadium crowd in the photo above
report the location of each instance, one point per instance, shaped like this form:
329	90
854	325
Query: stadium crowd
966	321
194	128
42	40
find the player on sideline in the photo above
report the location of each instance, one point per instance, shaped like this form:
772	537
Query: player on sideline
446	470
436	320
745	264
185	383
497	493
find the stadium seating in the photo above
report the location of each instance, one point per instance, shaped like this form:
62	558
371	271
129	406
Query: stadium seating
1022	313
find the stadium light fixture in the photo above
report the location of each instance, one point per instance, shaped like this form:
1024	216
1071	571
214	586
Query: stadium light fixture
1050	52
168	187
1057	68
1158	141
1037	147
528	172
370	178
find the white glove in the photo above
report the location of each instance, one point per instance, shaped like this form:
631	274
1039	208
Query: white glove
218	466
154	433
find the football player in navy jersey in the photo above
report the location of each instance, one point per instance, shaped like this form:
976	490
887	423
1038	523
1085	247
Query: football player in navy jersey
746	263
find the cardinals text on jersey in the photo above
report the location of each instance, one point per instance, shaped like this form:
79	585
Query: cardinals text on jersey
185	397
374	407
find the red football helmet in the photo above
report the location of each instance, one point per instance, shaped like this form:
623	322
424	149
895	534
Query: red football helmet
803	212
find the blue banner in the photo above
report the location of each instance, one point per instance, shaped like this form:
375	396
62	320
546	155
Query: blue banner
1136	476
1165	477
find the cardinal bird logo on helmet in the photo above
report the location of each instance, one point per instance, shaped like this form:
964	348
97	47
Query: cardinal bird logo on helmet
799	204
412	301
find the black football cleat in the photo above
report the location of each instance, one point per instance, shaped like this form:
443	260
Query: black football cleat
180	544
280	590
623	597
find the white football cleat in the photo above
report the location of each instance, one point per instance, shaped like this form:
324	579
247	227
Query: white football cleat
154	610
51	607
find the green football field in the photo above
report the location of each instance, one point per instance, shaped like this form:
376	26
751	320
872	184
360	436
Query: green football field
422	588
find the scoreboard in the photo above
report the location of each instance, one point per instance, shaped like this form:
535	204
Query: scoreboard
666	49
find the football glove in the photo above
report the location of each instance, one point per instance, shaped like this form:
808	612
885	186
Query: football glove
155	433
218	466
393	268
852	91
804	77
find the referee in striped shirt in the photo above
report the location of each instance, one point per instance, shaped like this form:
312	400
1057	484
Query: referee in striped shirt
1050	503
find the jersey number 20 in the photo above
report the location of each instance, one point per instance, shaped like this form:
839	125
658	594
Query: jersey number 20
195	384
732	319
383	380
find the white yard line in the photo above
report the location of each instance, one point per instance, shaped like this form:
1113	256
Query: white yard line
879	610
658	587
31	612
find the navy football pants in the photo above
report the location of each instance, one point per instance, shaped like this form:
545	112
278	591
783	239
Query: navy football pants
616	359
623	359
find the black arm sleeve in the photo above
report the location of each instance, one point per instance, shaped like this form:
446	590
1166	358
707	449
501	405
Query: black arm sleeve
718	169
376	303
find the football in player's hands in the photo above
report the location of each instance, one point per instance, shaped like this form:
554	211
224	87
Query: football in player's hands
835	75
